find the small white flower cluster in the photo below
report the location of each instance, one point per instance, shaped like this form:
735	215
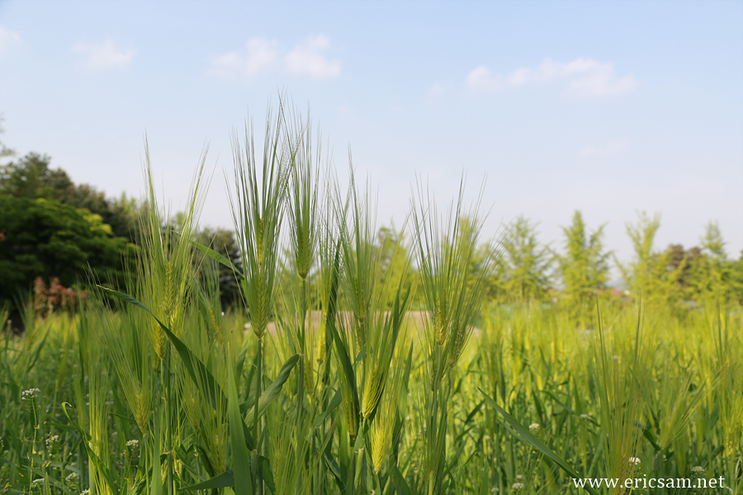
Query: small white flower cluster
132	444
517	486
85	492
534	427
38	481
634	460
30	394
697	469
585	417
52	441
495	489
71	478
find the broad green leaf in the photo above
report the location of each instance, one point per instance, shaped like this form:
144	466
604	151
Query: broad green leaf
398	481
219	481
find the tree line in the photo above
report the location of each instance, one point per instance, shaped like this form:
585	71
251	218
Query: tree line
51	227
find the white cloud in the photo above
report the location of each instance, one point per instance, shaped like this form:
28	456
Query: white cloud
260	55
610	148
435	93
482	79
585	78
8	39
307	58
104	55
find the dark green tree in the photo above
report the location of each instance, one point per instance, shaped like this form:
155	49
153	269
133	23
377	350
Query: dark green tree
31	177
46	238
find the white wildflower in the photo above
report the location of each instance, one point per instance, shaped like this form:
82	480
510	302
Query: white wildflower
517	486
38	481
132	444
534	427
584	416
85	492
52	441
30	394
71	478
697	469
634	460
495	489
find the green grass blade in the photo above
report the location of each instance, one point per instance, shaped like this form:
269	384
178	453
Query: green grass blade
219	481
398	481
530	439
345	362
218	257
100	466
334	402
240	455
273	390
156	487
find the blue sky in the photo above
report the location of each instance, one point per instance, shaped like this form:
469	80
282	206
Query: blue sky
606	107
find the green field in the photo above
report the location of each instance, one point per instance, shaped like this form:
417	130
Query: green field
401	364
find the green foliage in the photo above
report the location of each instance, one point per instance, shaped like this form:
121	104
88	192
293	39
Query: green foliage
584	267
712	274
30	177
48	239
647	276
522	266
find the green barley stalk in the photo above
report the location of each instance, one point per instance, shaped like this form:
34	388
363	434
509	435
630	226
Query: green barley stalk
166	284
453	296
621	368
257	210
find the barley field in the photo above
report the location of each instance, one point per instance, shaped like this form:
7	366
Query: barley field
350	369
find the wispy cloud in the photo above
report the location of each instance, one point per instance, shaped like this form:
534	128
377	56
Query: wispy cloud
104	55
307	58
584	78
435	93
8	39
259	54
610	148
